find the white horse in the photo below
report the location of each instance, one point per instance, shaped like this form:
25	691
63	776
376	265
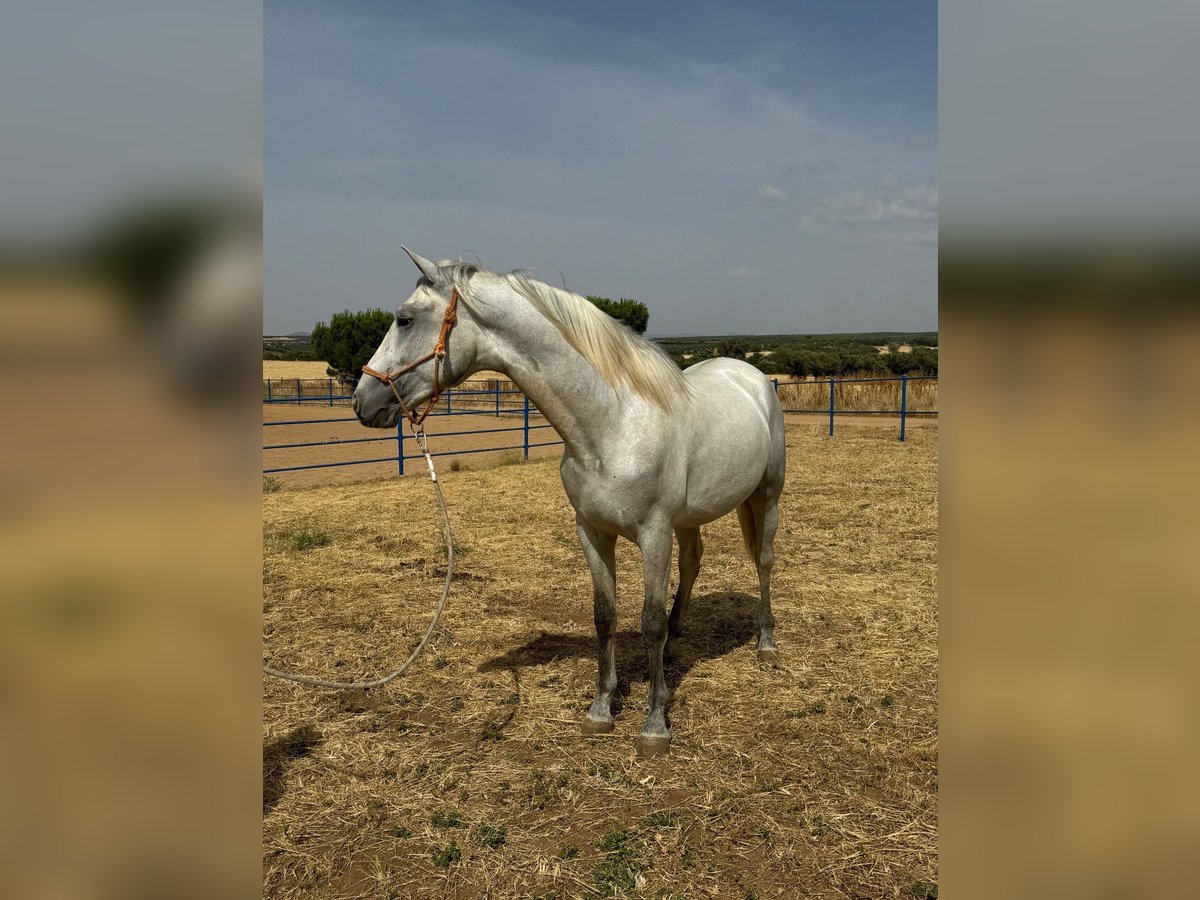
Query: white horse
649	449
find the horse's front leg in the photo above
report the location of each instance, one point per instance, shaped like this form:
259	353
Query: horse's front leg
601	552
655	544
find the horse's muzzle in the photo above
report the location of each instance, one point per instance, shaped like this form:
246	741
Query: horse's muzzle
374	406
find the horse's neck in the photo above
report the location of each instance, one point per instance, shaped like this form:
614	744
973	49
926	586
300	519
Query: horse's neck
529	349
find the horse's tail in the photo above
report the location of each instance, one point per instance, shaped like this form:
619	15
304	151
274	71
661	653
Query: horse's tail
749	531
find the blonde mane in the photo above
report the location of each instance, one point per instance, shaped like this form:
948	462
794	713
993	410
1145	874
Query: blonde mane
621	357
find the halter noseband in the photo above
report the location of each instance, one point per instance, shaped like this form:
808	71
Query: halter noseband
438	354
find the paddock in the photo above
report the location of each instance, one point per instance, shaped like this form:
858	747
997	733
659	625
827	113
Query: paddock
470	778
472	436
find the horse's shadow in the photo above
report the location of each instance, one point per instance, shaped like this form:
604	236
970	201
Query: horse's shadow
715	624
278	756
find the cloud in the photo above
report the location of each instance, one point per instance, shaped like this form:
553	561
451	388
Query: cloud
595	178
915	203
893	211
795	170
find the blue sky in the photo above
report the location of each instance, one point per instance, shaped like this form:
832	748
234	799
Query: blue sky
760	167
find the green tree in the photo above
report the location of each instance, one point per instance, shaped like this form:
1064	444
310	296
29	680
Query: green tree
872	363
765	364
787	362
349	340
918	361
630	312
854	363
732	348
925	360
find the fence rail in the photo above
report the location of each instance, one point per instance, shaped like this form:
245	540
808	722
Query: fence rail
827	397
861	397
497	395
455	402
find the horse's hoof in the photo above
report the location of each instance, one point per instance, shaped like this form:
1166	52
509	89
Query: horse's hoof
597	726
769	658
650	745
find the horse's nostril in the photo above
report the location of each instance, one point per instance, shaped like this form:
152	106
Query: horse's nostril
354	402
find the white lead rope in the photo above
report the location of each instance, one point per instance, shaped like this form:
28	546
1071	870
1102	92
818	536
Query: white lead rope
437	611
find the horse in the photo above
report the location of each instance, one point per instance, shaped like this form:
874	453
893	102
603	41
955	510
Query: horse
649	450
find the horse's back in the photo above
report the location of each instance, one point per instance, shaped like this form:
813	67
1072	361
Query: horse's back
736	389
736	440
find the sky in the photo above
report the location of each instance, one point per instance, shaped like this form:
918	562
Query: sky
106	108
740	168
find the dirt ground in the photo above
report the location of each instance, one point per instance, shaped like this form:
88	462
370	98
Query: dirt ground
338	423
470	778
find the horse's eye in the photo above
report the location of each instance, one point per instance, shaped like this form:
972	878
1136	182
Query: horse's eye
403	321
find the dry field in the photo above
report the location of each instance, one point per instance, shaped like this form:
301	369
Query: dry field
470	778
282	368
813	394
299	368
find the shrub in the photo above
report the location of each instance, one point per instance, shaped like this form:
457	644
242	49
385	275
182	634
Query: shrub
446	819
491	837
446	855
302	538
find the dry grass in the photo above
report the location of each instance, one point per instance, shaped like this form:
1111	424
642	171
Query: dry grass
811	395
470	778
317	385
871	395
299	368
283	368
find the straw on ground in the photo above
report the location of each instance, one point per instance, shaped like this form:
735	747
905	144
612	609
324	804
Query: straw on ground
469	778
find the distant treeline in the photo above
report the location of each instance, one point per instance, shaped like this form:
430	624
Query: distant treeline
794	355
290	349
819	355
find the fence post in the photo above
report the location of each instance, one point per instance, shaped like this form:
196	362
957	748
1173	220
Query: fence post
496	382
299	393
331	392
268	388
527	427
903	402
448	401
775	381
400	445
831	407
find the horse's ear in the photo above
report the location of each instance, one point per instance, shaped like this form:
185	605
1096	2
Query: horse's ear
428	268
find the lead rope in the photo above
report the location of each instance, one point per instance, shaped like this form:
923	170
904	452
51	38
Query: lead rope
419	433
449	320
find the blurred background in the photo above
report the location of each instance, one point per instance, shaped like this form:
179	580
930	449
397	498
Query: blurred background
1069	279
130	323
130	311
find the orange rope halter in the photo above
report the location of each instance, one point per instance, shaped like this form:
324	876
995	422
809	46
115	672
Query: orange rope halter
439	352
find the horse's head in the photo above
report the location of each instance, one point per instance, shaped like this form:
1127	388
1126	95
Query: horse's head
412	336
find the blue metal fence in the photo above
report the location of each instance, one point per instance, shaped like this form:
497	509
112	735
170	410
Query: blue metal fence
903	412
456	402
327	392
488	401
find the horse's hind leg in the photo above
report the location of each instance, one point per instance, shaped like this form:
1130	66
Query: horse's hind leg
691	549
763	510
